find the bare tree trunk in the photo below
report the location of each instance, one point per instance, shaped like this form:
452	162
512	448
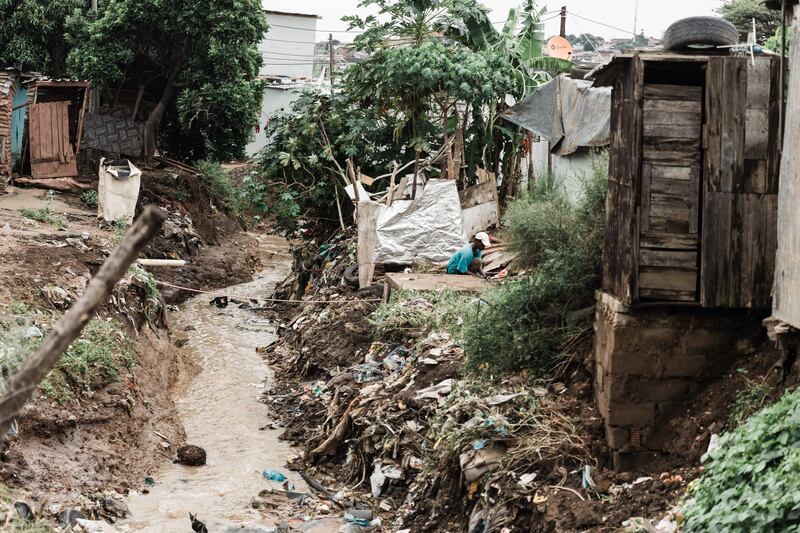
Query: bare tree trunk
154	119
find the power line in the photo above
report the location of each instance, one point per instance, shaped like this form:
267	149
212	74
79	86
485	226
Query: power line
286	54
362	31
601	23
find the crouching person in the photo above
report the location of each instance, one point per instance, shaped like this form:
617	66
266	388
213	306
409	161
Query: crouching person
468	258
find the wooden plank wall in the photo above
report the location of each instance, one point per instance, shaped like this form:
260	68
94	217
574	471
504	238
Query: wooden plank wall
786	301
6	99
621	233
51	151
668	261
740	168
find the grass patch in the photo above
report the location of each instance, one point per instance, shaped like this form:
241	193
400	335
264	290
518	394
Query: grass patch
441	311
220	188
46	213
98	357
525	322
748	400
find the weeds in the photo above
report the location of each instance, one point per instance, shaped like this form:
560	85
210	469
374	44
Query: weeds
524	324
147	282
97	357
750	481
90	199
220	188
441	311
748	400
120	227
46	213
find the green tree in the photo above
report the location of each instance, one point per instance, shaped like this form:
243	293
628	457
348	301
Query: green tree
741	13
200	57
32	34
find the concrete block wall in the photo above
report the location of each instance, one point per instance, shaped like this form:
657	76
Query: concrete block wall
650	362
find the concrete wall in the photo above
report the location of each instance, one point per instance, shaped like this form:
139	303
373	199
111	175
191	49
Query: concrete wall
288	47
276	98
651	361
568	171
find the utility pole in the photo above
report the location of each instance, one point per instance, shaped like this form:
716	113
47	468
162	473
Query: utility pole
330	67
635	20
563	21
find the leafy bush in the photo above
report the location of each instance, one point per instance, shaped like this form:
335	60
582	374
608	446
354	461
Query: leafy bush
524	323
751	483
46	213
89	199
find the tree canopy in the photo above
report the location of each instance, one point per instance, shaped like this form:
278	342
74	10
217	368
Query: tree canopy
200	57
33	34
741	13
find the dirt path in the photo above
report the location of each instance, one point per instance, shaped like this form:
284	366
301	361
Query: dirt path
221	412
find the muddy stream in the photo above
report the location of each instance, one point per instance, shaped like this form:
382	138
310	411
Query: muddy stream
221	412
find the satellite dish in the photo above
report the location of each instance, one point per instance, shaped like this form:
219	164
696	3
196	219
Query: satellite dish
559	47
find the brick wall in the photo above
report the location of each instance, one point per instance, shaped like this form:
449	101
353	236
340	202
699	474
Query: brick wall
650	362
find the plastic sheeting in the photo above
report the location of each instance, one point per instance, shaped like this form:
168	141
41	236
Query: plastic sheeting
428	228
569	113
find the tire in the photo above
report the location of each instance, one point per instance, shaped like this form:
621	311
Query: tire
700	32
351	275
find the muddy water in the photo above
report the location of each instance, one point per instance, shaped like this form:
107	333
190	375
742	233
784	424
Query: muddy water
221	412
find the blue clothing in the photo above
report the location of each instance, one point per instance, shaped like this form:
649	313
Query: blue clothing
459	263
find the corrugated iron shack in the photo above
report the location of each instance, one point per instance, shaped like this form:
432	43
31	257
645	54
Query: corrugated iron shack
693	178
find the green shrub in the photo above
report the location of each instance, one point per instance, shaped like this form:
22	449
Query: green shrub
219	187
524	324
751	483
90	199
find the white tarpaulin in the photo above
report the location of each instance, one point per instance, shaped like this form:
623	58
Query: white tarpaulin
428	228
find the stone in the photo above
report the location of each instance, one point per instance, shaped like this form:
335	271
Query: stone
191	455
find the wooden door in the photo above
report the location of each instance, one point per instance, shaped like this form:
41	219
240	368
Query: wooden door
670	192
52	155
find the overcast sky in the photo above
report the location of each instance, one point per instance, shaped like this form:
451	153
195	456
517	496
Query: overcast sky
654	15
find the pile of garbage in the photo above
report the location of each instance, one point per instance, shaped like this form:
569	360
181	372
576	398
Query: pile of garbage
388	417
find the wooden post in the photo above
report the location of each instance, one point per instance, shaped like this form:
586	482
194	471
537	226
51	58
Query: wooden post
367	238
81	119
563	32
389	197
69	327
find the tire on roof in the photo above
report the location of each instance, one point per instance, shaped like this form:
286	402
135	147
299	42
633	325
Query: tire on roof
700	32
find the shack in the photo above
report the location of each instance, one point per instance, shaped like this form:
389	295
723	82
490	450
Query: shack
690	236
41	124
570	122
693	178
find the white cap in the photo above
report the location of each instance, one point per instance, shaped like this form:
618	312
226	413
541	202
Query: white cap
484	238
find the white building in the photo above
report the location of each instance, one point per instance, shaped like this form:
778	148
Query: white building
287	52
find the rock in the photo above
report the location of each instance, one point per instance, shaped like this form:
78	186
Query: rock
180	343
70	517
191	455
94	526
116	507
33	332
23	510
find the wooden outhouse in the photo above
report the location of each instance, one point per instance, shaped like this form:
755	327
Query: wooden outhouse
41	124
693	178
